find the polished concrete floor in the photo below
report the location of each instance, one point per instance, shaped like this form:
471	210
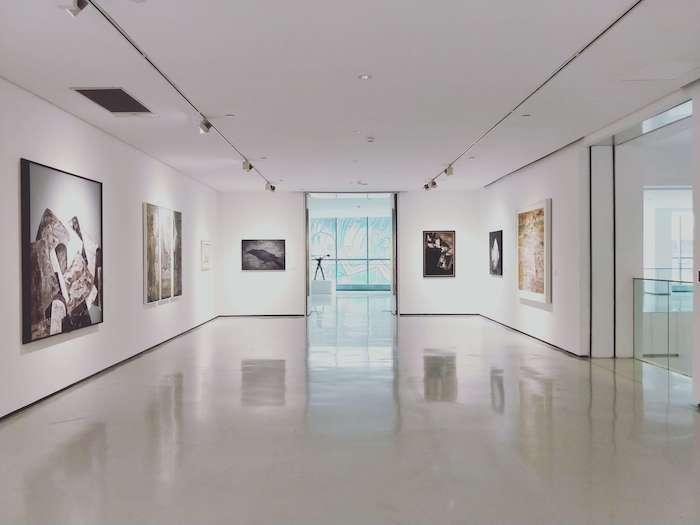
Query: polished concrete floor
357	418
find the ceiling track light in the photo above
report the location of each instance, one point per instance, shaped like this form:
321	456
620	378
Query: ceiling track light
247	165
204	126
77	7
426	186
449	170
269	186
433	184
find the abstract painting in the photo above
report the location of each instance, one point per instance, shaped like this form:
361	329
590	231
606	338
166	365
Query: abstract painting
206	256
496	252
62	271
534	252
438	254
263	255
162	253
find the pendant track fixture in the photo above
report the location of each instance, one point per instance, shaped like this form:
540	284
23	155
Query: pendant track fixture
537	89
205	124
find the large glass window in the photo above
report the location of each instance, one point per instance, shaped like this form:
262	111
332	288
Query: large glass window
357	251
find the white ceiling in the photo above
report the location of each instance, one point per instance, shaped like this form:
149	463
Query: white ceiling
442	72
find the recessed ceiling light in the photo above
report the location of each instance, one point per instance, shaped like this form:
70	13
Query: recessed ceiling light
230	115
526	115
354	161
364	76
356	131
264	157
472	157
370	139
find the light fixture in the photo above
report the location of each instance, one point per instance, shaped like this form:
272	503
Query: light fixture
247	165
204	126
269	186
77	7
449	170
426	186
433	183
371	139
472	157
526	115
364	76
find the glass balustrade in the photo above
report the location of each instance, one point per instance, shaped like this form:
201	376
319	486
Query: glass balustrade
663	323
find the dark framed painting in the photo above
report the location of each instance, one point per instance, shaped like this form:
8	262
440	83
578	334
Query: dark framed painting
62	253
439	253
496	253
266	255
162	253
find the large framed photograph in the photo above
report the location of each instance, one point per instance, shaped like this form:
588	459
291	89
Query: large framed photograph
162	253
439	253
265	255
533	227
496	253
62	258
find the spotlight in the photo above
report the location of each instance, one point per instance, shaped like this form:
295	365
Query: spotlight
449	171
247	165
426	187
269	186
204	126
433	183
77	7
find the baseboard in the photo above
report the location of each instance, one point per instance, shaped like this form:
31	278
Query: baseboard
438	315
103	371
551	345
260	315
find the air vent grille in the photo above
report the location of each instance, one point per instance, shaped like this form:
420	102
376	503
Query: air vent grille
114	100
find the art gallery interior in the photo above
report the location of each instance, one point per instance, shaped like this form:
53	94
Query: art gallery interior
361	262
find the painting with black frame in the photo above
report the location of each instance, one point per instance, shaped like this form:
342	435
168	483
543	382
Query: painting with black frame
263	255
439	250
496	253
62	252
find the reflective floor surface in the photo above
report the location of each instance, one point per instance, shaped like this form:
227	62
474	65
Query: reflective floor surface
374	420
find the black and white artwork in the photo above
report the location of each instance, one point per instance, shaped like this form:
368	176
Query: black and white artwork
263	255
439	254
496	252
162	253
62	272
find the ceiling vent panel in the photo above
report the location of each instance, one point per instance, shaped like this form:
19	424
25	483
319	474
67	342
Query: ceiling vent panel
114	100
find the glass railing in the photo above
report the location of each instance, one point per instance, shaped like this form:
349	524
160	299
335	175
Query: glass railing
663	323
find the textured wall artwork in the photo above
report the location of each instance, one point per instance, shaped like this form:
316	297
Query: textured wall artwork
534	272
62	272
263	255
206	256
162	253
496	252
439	254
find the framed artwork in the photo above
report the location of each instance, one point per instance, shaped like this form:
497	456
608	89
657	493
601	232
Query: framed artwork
535	252
62	258
263	255
439	253
496	252
206	256
162	253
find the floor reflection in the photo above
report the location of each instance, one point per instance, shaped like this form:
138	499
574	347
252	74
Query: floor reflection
352	379
263	382
440	377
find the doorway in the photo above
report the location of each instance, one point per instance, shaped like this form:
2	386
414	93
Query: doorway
351	249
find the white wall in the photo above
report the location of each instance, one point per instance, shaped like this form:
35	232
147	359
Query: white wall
602	252
439	210
33	129
563	177
694	91
261	215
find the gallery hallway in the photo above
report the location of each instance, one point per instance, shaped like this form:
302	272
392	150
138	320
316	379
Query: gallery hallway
423	420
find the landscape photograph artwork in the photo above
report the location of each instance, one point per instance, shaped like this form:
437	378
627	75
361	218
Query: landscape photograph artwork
62	270
263	255
162	253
